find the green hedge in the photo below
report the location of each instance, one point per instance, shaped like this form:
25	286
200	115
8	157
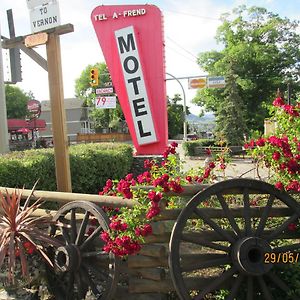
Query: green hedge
91	165
189	146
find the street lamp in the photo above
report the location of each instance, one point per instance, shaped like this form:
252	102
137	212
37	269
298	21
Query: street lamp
184	107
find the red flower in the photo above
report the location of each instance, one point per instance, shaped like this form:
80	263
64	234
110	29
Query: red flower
279	185
105	236
276	155
154	196
211	165
260	142
189	179
208	151
292	227
278	102
152	212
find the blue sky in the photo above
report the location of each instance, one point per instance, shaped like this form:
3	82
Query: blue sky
190	28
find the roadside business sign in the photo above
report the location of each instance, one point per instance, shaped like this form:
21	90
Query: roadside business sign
103	91
134	54
106	102
44	17
197	83
216	82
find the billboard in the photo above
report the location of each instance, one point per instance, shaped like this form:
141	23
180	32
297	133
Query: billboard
131	39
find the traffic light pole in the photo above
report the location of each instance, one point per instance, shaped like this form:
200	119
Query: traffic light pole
4	146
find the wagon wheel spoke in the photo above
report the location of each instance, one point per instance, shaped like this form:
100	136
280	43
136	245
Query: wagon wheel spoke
229	214
198	241
73	226
287	248
80	285
214	284
264	216
214	225
250	288
267	294
282	227
91	238
235	288
82	228
206	264
65	234
89	280
100	272
70	284
247	212
280	283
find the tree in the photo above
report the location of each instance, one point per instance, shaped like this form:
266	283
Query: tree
262	51
175	116
230	120
16	102
103	118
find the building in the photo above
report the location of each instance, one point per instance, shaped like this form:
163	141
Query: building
77	120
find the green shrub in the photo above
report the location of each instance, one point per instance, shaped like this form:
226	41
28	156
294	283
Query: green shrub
189	146
91	165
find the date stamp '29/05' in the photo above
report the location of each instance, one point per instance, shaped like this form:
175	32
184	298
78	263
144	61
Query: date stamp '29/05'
281	257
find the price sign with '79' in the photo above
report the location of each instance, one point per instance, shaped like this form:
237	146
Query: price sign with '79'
106	102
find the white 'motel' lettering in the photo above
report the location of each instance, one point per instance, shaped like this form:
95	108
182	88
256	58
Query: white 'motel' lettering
135	86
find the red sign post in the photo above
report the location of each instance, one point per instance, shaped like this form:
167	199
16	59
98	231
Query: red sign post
131	38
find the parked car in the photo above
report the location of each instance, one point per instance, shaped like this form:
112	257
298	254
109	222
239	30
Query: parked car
192	137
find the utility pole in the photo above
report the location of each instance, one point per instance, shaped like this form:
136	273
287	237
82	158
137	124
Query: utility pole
4	147
184	107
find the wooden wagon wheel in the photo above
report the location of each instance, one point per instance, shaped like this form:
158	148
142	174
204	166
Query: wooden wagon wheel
230	240
81	266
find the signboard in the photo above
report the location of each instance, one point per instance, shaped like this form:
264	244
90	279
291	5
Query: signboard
34	108
44	17
103	91
34	3
134	54
197	83
106	102
216	82
36	39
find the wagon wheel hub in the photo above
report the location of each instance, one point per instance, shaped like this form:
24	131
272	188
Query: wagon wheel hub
67	258
248	255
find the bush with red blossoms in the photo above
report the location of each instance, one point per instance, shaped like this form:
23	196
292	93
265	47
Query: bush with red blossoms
130	226
281	151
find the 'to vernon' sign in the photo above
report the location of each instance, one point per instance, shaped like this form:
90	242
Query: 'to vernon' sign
132	43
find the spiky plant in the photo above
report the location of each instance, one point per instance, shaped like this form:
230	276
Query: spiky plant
18	226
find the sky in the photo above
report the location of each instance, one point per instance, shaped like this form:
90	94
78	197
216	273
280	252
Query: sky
189	28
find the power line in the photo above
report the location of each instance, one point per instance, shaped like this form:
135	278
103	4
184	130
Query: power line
188	58
181	47
193	15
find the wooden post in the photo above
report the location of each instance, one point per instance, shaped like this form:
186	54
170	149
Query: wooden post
62	162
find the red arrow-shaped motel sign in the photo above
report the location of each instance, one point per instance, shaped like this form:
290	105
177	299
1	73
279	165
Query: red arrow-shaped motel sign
131	39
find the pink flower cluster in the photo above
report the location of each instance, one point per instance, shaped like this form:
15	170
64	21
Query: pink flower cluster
205	175
170	150
289	109
120	246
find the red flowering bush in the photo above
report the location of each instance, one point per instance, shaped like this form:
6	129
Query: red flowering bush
129	226
281	152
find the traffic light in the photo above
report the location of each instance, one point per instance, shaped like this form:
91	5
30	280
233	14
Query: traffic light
94	78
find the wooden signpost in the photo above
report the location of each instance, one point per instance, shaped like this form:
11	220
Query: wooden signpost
62	163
